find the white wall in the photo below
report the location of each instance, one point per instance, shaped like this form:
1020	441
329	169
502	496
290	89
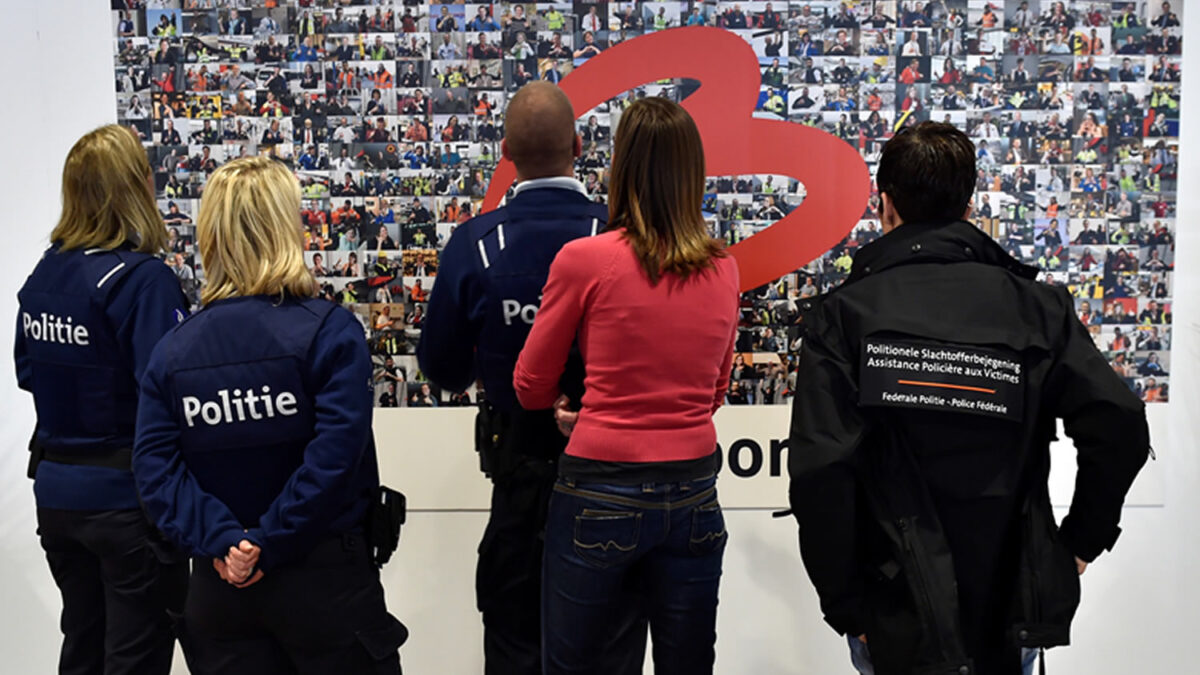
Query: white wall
59	84
1141	604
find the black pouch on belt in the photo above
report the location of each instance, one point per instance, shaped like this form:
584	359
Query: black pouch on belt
389	508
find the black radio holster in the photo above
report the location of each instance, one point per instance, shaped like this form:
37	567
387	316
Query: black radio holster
517	443
493	442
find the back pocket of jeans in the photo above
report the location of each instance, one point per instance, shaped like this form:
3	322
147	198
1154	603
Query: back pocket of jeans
708	529
606	538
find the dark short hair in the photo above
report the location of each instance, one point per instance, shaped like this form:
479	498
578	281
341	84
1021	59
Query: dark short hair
928	171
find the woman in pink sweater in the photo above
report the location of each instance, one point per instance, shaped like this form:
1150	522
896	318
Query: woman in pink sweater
634	524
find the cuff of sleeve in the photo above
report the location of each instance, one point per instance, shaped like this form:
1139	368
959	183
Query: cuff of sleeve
1086	544
265	559
848	625
227	540
532	394
535	399
847	615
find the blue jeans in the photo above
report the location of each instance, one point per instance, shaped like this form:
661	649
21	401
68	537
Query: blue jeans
613	551
861	658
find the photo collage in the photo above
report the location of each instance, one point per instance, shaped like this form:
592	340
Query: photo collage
391	115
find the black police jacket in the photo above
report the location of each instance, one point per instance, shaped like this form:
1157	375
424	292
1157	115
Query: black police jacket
928	388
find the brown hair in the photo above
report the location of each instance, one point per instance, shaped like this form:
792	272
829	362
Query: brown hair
928	171
656	187
106	194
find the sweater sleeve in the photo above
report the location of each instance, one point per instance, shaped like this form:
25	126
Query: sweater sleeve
446	352
722	384
1107	422
147	305
191	518
826	434
564	301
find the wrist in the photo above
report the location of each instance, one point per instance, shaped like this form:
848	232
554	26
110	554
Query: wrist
255	536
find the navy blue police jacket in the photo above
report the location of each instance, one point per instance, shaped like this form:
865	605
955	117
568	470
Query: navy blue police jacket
489	286
255	423
87	323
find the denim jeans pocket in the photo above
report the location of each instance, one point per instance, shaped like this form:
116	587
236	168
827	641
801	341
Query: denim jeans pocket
708	529
605	538
860	656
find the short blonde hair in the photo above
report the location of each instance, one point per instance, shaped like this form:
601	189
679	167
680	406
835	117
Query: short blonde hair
106	194
248	232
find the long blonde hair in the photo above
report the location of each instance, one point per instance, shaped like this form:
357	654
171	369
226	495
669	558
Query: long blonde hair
107	196
248	232
656	188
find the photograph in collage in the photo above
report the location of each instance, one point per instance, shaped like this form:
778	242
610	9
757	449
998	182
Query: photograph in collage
391	115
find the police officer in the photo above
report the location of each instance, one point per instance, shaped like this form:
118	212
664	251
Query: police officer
90	314
254	451
927	396
480	312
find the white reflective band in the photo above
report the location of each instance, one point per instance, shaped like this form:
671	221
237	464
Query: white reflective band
595	224
90	251
500	234
111	272
483	255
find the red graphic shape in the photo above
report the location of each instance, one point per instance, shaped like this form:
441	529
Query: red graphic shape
735	143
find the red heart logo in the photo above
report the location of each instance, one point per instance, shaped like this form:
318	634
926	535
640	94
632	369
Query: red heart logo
735	143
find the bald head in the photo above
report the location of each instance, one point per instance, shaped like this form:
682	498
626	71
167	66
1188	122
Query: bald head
539	132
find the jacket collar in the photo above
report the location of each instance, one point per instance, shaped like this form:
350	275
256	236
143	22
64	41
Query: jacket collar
544	197
560	182
915	243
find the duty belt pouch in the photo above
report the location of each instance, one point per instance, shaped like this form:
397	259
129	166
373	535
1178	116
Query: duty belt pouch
494	436
389	509
487	437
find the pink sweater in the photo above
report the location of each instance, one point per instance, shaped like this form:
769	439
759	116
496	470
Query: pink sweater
657	357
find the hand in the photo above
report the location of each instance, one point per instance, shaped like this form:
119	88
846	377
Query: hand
241	560
863	638
564	416
223	570
258	575
1081	566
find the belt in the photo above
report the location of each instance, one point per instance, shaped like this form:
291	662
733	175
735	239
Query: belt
637	503
121	458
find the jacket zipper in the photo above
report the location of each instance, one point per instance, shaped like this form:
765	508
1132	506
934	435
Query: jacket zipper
1035	598
924	605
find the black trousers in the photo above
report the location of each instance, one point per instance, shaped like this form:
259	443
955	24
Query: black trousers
122	587
508	581
323	615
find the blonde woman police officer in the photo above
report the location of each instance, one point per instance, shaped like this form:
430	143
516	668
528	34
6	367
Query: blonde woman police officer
254	451
90	314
